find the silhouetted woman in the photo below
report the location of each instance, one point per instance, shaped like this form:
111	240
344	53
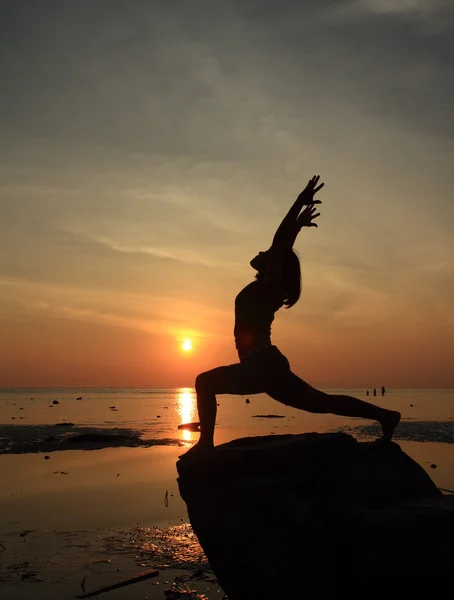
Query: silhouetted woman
262	367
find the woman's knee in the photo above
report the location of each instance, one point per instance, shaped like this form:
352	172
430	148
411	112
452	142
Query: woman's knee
202	381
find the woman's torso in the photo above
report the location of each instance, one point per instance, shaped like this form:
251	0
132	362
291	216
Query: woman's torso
255	307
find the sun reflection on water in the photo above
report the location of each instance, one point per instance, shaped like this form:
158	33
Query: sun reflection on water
187	404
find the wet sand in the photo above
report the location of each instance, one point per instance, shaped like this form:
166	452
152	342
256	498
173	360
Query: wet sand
62	565
60	517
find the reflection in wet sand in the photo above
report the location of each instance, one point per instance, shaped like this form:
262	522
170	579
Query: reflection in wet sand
174	547
186	409
59	561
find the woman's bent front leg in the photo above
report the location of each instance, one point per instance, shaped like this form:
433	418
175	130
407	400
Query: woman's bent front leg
207	409
232	379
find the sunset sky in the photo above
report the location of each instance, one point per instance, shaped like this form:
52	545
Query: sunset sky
149	149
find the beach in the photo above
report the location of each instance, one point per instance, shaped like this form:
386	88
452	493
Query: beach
89	515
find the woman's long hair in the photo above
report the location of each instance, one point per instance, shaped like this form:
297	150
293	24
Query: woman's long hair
291	278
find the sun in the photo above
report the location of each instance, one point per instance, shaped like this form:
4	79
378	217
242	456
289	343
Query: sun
187	345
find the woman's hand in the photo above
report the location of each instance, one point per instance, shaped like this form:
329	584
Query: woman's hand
287	231
306	217
307	195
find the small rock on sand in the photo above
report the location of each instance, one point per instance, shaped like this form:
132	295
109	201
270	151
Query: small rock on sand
268	417
190	426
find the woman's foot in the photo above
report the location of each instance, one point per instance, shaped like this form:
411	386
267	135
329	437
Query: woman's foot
199	449
388	424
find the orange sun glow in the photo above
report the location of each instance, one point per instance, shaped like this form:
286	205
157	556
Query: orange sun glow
187	345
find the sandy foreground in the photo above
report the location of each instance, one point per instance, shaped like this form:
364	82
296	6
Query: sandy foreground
82	520
60	565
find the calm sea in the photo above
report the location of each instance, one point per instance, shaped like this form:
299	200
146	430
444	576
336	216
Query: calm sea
158	412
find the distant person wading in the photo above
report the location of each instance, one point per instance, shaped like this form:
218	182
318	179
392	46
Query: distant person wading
262	367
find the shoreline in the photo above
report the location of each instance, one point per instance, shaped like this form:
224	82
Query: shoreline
63	436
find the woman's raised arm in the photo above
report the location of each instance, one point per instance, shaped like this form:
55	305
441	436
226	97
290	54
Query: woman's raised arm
287	231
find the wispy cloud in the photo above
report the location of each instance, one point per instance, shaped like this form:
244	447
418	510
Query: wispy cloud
399	7
183	255
155	314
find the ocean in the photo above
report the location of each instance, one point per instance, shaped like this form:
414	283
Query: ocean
427	415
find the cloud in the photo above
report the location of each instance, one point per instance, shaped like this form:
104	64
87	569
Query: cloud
183	255
398	7
21	299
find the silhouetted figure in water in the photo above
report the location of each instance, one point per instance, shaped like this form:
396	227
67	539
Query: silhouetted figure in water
262	367
375	392
383	391
367	392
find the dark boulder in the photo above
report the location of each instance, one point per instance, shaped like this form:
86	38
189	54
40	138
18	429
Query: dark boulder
282	516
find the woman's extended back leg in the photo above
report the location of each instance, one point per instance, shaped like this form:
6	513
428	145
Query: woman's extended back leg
299	394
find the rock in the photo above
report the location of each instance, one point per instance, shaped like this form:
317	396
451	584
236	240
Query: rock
64	425
268	417
104	439
79	398
279	515
248	401
55	402
190	426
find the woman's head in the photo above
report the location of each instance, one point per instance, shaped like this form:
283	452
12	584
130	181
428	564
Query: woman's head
259	262
291	274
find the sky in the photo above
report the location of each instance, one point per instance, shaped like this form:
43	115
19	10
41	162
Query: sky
149	149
